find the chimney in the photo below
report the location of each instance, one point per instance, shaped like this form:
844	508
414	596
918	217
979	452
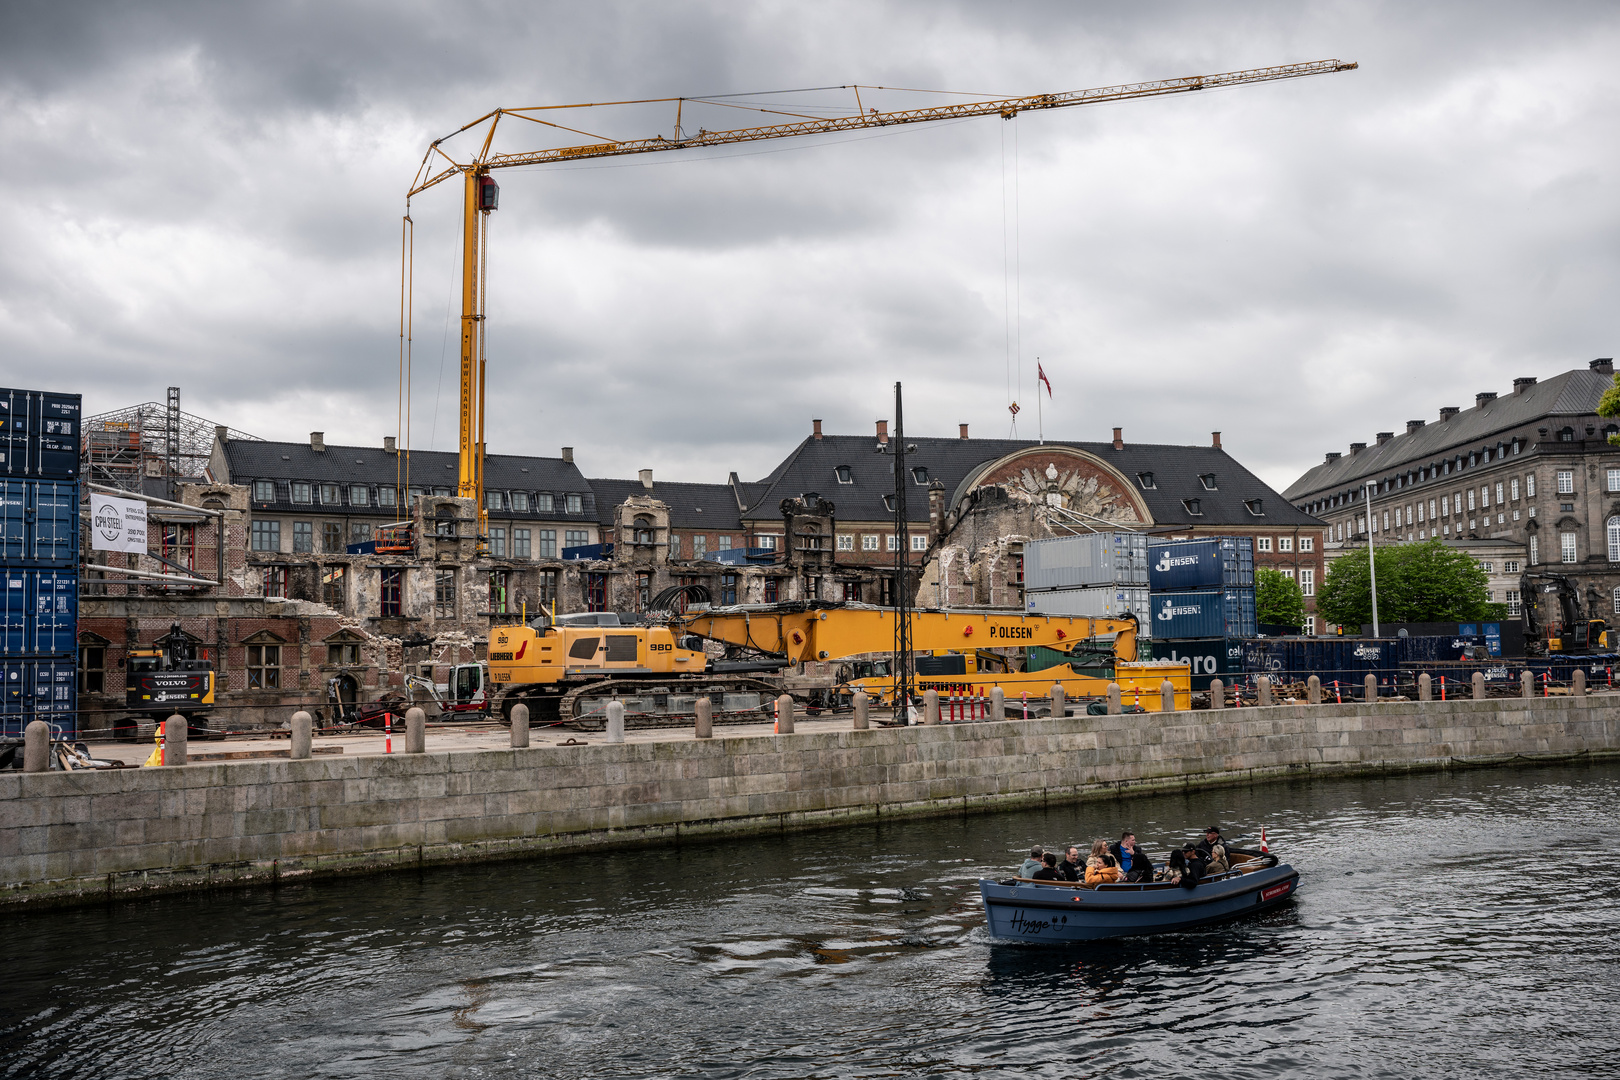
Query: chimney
1483	398
883	432
1413	425
1119	438
1447	412
1356	448
1384	437
936	511
1333	455
815	430
317	441
646	478
221	432
1521	385
568	454
961	431
1215	436
388	445
1604	365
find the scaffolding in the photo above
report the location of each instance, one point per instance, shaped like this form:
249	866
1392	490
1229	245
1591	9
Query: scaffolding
149	448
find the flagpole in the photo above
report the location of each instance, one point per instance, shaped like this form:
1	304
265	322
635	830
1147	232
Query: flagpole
1040	423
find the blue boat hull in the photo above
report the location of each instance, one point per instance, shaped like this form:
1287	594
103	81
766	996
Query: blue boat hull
1065	912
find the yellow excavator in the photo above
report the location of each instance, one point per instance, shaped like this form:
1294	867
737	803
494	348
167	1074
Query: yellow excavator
566	669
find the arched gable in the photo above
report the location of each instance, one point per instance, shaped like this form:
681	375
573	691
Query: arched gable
1062	476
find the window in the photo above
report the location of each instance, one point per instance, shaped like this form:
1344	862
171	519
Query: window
92	669
1614	539
724	543
444	594
728	588
869	542
520	543
385	497
643	531
1484	495
329	495
1470	500
548	544
575	504
342	653
1514	606
1566	546
359	532
1307	543
332	586
846	542
497	543
893	542
1208	480
1487	566
1285	543
520	501
1566	434
674	544
919	543
700	546
1432	515
1192	507
546	588
493	501
1566	482
264	667
1535	555
845	474
919	475
767	542
773	590
267	536
576	538
595	592
852	591
1568	508
303	538
1146	480
275	581
332	538
1307	580
264	491
1262	543
888	503
1511	566
1530	485
392	592
1445	505
1310	626
412	494
300	491
542	502
359	495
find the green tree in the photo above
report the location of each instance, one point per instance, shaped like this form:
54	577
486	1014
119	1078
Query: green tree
1426	582
1609	405
1278	599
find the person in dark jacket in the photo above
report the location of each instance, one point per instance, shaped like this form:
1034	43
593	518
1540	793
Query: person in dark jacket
1073	868
1136	864
1050	871
1192	864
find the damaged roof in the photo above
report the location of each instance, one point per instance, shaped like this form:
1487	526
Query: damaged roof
691	506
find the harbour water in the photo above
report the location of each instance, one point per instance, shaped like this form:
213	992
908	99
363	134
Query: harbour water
1464	924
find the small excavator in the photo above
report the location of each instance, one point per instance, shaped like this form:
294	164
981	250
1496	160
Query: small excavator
1574	634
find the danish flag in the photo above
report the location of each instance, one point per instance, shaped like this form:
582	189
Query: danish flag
1040	371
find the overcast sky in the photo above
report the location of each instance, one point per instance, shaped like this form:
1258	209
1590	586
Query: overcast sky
210	195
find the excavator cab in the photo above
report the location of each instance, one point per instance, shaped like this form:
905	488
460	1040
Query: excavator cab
1588	636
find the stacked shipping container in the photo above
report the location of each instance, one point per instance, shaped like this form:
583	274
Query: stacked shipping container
39	560
1202	602
1099	575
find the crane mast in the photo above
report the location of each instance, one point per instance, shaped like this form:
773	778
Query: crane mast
482	193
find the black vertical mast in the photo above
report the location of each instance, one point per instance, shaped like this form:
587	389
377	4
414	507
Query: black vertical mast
903	662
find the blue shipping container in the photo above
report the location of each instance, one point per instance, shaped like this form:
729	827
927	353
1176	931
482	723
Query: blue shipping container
1208	659
1209	613
39	523
40	690
39	612
1222	563
39	435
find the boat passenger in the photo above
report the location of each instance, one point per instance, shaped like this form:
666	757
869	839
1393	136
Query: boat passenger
1099	867
1134	864
1073	868
1050	871
1033	863
1194	865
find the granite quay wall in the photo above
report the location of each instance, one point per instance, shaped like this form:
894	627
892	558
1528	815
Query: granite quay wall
79	837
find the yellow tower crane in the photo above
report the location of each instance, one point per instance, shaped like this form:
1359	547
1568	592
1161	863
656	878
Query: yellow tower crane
481	194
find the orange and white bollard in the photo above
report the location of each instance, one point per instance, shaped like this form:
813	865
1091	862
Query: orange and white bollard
1136	696
1544	684
1442	688
1338	698
1026	704
388	733
776	717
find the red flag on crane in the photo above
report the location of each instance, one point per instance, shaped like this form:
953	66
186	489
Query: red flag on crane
1042	373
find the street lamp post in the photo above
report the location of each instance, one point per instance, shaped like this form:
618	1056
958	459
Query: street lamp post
1372	568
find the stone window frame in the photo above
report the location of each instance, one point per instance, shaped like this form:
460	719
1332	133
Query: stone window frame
265	535
444	593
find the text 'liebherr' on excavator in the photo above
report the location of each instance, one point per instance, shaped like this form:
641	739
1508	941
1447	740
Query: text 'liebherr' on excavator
564	670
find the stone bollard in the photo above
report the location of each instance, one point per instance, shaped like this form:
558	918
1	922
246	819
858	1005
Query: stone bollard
862	705
784	715
703	727
1370	691
520	726
1479	686
174	740
615	721
1313	690
1167	696
1060	707
1262	691
415	731
931	707
37	747
1425	687
998	703
302	730
1115	705
1527	684
1217	694
1577	683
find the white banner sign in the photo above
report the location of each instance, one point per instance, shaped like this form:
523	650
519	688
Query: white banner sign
117	524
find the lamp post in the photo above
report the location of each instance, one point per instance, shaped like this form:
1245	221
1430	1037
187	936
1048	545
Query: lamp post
1372	568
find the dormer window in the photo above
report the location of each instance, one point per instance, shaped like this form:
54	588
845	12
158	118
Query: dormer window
919	474
1566	434
888	503
845	474
1208	480
1146	480
1254	507
1193	509
264	491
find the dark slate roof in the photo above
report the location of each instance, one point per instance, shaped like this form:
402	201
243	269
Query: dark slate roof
691	506
1572	394
955	462
370	465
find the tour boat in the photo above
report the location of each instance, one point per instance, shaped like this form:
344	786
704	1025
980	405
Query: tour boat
1061	911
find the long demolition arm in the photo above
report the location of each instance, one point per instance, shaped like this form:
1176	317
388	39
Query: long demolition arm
834	633
479	198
